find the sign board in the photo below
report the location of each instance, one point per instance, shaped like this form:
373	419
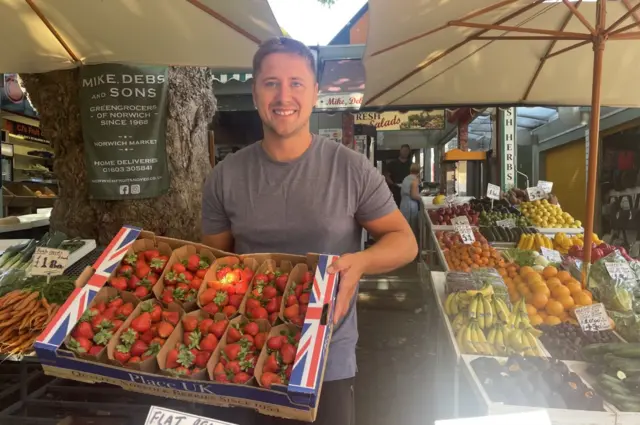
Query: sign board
551	255
24	130
408	120
545	186
493	192
620	271
333	134
508	147
462	226
535	193
162	416
339	100
507	222
49	261
124	122
593	318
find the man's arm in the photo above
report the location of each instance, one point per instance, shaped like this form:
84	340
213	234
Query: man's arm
216	227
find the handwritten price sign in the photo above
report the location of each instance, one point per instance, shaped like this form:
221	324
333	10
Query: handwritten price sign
49	261
493	192
545	186
551	255
462	226
509	223
535	193
593	318
161	416
620	271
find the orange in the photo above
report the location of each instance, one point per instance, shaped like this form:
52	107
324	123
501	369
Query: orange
549	271
574	287
552	282
528	297
525	271
522	288
589	294
532	278
554	308
531	310
515	297
541	289
535	320
564	316
552	320
542	314
566	301
539	300
517	279
582	298
502	272
560	291
564	276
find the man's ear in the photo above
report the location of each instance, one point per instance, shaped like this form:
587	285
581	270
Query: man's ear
315	94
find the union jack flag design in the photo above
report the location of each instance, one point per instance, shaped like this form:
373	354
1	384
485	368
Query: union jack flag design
68	315
310	358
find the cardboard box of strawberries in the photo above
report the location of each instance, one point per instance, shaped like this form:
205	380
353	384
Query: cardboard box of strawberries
208	326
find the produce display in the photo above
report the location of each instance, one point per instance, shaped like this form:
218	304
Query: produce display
599	250
464	257
564	341
504	234
483	324
535	382
563	243
545	214
281	353
443	216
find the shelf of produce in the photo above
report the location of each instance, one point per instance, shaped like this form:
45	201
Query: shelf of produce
427	201
557	416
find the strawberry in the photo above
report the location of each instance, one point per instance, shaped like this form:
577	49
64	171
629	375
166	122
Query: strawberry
117	323
211	308
298	321
84	330
258	313
207	296
222	272
195	283
232	351
229	310
192	263
260	339
101	307
269	378
191	339
241	378
125	310
272	306
202	358
99	323
273	317
142	323
164	329
121	354
133	360
128	337
271	364
261	279
150	254
120	283
138	348
281	282
133	282
115	302
141	291
287	353
307	278
298	290
95	350
178	268
204	325
209	343
181	371
269	292
253	303
275	342
110	313
201	273
287	371
157	264
152	351
241	287
292	311
218	328
130	259
80	345
147	336
189	323
304	298
234	334
125	271
185	277
150	280
156	313
171	361
235	300
167	296
251	328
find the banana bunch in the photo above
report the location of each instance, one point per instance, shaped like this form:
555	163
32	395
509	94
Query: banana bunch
498	338
471	340
534	242
481	310
524	341
458	302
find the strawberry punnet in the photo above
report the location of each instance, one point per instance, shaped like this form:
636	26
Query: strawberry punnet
266	296
296	300
239	356
146	334
225	293
281	351
182	282
138	273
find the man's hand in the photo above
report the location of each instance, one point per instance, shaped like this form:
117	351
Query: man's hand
351	268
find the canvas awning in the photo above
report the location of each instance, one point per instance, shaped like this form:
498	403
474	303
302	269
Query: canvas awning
242	77
341	85
41	35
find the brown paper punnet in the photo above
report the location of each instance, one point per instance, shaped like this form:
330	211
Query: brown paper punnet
296	274
228	261
177	243
104	295
269	265
275	331
178	256
149	365
263	325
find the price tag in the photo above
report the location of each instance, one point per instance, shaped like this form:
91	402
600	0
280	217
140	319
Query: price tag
593	318
545	186
620	271
493	192
462	226
49	261
508	223
551	254
161	416
535	193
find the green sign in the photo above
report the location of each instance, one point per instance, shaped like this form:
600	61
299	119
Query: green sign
124	120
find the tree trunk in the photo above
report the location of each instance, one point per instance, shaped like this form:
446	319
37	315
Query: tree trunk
176	214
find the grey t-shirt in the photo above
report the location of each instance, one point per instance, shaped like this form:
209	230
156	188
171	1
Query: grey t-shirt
311	204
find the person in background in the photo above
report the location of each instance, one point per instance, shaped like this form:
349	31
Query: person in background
410	197
396	170
295	192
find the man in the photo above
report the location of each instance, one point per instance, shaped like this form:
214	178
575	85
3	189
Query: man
295	192
397	170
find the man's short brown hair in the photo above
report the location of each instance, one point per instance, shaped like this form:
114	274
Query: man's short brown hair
283	45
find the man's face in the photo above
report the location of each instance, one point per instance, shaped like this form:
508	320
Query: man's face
405	152
285	92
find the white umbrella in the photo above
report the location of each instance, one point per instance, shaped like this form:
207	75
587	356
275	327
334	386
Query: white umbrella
44	35
509	52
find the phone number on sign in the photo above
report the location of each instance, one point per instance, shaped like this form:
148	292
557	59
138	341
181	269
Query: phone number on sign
127	169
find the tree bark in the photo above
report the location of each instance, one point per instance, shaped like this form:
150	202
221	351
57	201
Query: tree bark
176	214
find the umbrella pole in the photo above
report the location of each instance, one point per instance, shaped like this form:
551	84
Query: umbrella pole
594	135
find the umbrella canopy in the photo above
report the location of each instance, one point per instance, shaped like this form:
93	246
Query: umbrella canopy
44	35
478	52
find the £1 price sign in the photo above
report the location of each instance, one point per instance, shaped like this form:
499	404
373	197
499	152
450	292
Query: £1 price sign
593	318
49	261
462	226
